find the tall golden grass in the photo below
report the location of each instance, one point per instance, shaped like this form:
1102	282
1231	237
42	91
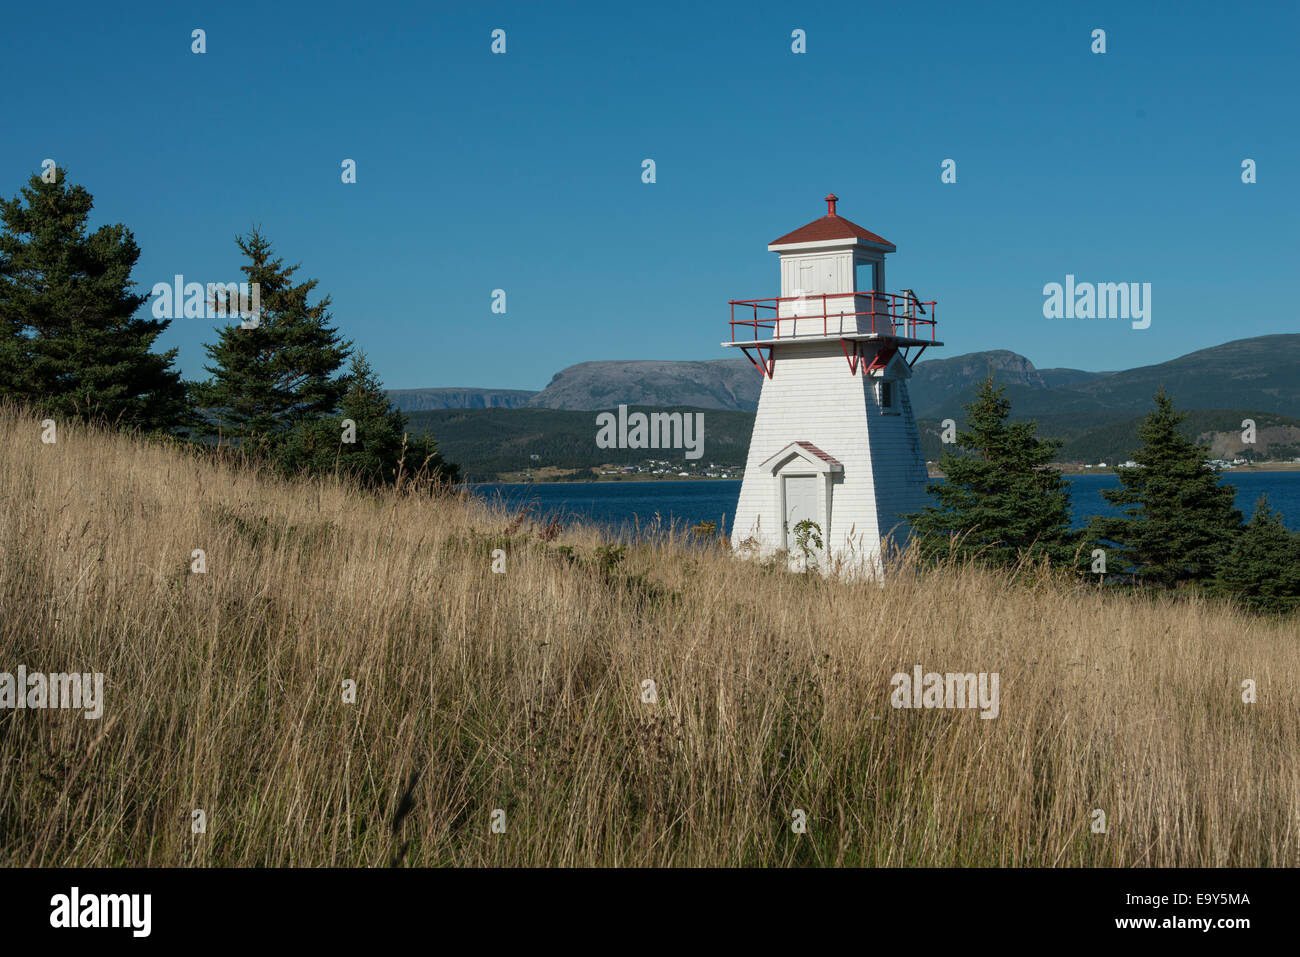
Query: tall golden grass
522	692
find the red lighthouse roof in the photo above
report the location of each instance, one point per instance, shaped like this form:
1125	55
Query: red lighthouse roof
830	227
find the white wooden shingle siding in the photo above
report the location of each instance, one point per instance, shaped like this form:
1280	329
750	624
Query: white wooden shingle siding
812	397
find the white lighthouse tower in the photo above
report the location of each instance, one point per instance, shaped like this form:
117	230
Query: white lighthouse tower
835	441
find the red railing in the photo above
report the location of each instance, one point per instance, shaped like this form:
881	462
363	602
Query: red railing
887	310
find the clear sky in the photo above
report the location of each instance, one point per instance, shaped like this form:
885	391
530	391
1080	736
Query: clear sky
522	171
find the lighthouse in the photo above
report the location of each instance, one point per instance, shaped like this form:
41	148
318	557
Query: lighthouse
835	441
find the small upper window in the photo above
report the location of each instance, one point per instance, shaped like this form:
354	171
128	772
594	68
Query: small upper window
885	394
868	277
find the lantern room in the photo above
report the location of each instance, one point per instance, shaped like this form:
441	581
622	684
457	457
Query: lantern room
833	287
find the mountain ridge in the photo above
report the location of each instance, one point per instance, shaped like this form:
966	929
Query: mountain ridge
1261	373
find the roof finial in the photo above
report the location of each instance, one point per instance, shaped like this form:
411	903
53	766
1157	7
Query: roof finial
831	200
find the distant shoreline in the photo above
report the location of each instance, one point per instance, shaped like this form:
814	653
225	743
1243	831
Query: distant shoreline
608	479
932	472
1259	467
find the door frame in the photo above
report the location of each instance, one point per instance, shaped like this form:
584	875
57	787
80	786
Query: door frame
803	458
819	509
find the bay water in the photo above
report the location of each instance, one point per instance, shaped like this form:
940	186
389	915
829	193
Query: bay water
628	506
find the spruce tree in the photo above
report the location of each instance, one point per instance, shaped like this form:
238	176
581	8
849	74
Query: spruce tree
1001	499
1178	519
1262	567
70	342
272	373
379	446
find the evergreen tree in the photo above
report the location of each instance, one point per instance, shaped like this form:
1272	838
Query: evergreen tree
1262	568
272	373
1001	499
1178	520
70	343
380	444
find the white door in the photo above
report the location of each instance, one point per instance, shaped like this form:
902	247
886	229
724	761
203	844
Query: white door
822	275
800	503
808	287
818	276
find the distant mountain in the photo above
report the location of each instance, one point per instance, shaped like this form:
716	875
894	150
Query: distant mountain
935	381
1055	378
489	442
710	384
1262	374
1096	414
420	400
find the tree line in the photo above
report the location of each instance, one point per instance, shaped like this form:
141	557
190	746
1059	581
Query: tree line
284	388
1178	529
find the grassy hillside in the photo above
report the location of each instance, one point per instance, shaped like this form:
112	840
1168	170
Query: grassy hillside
522	692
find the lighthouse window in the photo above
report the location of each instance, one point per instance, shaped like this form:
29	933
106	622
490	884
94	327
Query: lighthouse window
885	391
868	277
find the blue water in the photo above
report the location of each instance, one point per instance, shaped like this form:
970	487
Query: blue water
626	506
1282	489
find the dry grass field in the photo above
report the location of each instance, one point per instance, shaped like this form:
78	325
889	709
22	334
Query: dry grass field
522	692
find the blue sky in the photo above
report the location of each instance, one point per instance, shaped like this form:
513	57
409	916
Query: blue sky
522	171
